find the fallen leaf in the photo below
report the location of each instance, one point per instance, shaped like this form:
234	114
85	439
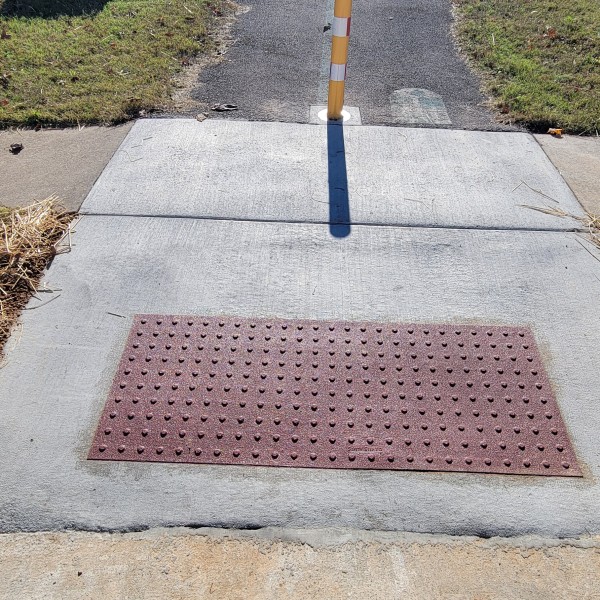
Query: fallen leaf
4	35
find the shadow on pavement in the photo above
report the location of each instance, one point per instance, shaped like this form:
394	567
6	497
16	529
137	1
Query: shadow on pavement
339	205
49	9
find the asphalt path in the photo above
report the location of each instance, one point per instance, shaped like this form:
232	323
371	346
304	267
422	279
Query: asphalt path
278	65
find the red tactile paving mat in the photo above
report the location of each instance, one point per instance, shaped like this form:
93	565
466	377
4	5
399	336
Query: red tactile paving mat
276	392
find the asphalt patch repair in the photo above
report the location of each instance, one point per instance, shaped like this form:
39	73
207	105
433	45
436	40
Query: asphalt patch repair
334	394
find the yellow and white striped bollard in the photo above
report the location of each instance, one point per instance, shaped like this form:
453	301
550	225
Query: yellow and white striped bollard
339	57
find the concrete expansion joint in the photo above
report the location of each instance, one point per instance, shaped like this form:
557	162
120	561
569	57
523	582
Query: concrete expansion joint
353	223
336	537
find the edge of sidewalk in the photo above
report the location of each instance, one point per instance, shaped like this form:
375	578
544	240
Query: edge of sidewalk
280	563
577	159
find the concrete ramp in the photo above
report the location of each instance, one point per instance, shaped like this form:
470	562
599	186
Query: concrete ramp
59	373
290	172
442	239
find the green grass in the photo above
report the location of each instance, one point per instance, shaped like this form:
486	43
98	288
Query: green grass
95	61
540	59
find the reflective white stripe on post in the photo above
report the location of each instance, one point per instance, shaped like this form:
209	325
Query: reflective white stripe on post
337	72
342	13
341	27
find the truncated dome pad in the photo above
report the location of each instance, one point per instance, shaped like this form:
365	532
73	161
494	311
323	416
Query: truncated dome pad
345	395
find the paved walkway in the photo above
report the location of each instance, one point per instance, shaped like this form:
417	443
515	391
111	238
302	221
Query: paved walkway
241	216
578	161
61	162
402	60
441	239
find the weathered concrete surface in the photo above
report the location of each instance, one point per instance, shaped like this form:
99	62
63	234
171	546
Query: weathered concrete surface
62	363
65	162
578	160
271	564
279	172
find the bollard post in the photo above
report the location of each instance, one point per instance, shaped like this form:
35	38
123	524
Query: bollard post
339	57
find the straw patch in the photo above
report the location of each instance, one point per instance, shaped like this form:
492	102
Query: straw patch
590	222
29	239
593	226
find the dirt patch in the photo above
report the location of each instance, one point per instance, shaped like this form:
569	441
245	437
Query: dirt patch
185	81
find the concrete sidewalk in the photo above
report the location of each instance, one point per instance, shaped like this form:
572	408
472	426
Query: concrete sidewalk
286	564
229	217
578	161
274	255
283	172
61	162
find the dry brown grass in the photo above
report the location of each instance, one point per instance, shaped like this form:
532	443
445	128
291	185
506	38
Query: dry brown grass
590	222
593	226
29	240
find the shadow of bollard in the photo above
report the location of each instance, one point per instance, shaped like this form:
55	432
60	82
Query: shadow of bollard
339	205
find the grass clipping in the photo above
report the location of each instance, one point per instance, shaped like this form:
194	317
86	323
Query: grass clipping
30	238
